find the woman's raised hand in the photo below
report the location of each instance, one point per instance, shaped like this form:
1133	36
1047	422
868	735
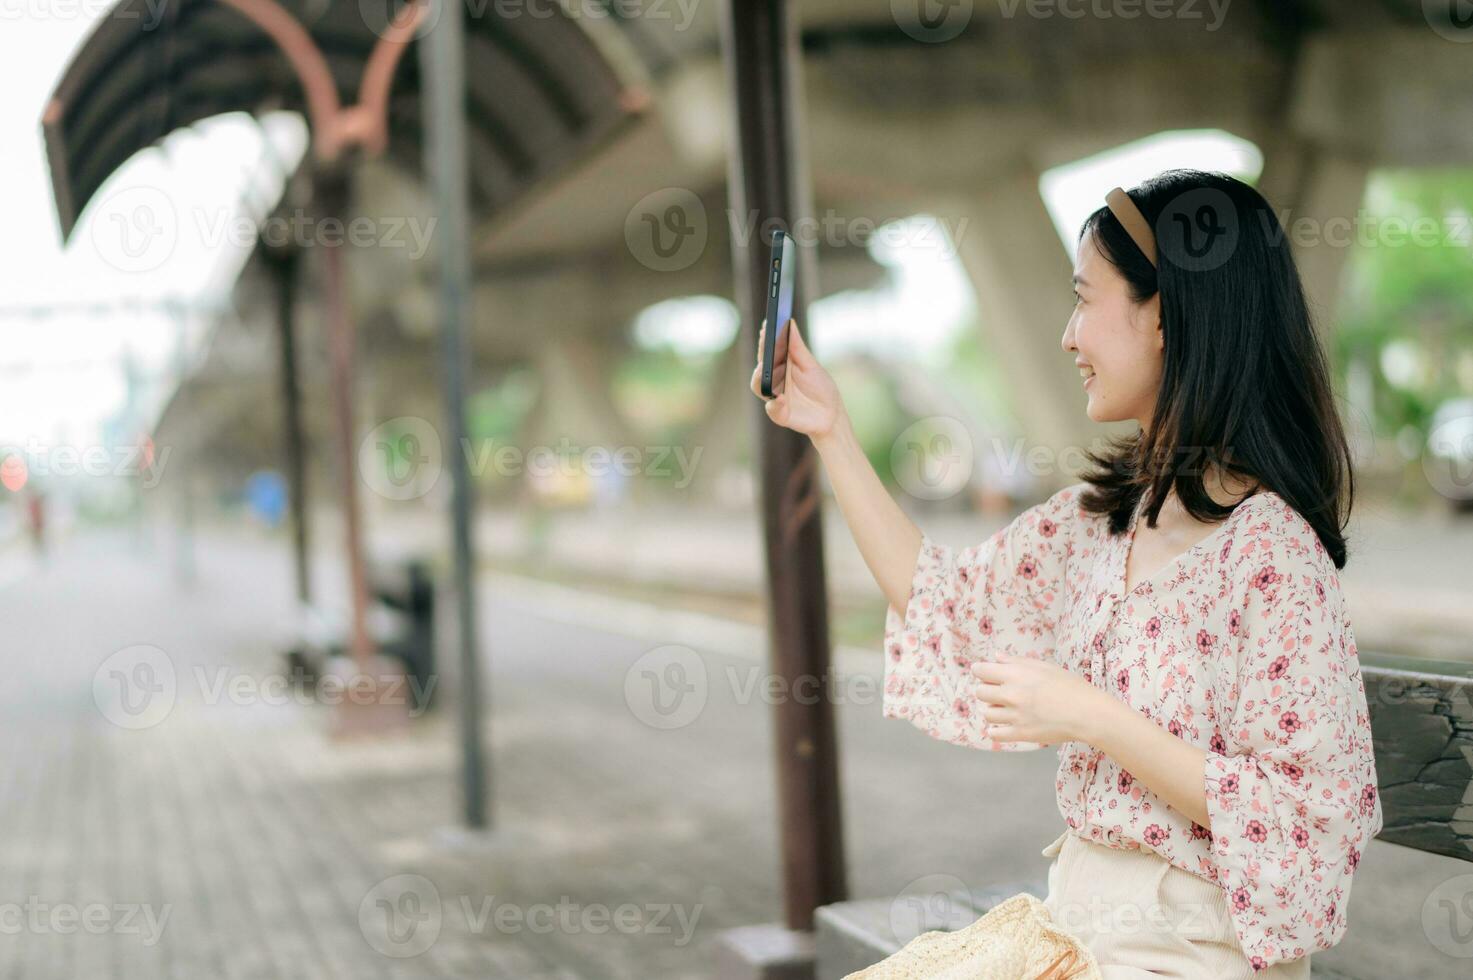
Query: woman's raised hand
809	402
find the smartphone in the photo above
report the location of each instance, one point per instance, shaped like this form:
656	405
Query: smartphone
781	270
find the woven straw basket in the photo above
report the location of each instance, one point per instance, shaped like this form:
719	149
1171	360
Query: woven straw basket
1016	940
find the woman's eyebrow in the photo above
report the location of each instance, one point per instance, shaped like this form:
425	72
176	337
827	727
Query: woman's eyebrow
1078	280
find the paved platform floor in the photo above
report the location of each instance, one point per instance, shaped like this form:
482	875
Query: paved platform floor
166	812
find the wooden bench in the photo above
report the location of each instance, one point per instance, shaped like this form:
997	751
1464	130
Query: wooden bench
1422	723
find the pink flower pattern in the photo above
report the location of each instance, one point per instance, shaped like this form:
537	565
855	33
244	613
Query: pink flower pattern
1242	646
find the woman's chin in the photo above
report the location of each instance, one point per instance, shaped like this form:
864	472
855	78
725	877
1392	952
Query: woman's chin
1098	411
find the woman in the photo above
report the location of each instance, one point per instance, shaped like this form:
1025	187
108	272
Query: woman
1174	622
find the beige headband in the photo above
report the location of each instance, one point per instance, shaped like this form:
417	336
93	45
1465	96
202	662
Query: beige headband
1134	223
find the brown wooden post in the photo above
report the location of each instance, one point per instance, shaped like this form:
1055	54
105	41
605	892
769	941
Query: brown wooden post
767	180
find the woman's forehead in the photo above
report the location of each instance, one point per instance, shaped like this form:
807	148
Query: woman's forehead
1090	267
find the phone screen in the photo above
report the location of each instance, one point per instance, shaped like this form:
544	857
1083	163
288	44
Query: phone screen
780	274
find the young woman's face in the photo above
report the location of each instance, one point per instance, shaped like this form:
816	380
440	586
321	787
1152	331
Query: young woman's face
1116	343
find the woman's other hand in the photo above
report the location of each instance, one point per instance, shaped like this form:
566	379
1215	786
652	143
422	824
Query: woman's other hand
1034	701
809	402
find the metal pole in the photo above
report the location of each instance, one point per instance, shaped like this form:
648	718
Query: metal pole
183	472
767	179
284	263
442	72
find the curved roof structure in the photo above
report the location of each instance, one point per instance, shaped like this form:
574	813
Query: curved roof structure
541	91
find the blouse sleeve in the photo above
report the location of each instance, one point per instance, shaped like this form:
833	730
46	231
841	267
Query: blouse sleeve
1291	785
1005	595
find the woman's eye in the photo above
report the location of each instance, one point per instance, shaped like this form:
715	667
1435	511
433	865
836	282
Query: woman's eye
1077	298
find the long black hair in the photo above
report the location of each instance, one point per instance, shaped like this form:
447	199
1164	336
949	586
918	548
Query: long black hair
1245	385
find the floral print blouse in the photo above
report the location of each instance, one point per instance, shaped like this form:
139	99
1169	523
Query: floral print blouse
1242	646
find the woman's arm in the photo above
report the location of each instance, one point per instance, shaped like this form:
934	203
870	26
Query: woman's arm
810	403
889	540
1167	765
1033	701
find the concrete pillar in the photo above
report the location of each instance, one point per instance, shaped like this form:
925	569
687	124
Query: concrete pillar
1020	271
1317	195
576	402
724	434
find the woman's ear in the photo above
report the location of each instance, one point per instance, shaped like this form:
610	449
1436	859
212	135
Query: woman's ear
1151	310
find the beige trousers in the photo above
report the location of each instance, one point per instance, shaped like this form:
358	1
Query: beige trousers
1143	917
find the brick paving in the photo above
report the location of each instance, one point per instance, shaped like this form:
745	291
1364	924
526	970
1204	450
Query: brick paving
233	838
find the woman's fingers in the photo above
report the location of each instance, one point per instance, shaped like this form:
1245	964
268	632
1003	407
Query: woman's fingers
798	351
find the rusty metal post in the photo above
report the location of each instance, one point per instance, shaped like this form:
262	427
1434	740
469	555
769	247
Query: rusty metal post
332	196
766	179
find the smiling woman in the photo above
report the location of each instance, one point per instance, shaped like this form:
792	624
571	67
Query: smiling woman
1174	622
